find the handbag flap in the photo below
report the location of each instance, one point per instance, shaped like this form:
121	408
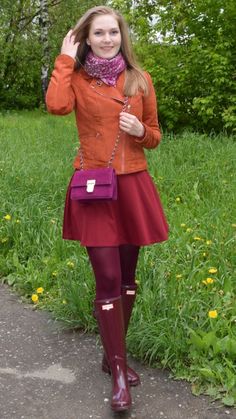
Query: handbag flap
103	176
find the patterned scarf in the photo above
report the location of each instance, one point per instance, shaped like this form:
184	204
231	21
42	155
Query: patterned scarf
104	69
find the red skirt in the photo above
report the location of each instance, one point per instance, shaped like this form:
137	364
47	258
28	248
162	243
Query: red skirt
135	218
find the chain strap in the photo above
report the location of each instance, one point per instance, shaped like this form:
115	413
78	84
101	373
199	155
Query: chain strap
125	107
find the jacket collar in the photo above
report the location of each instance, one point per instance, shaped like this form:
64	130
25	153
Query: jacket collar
113	92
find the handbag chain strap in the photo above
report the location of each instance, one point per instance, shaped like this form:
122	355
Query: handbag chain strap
125	106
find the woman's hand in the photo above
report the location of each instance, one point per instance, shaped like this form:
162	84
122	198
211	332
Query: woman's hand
69	46
130	124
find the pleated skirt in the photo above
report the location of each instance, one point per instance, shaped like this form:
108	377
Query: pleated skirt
136	217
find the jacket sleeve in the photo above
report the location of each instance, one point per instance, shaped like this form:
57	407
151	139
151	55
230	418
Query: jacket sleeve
60	97
152	135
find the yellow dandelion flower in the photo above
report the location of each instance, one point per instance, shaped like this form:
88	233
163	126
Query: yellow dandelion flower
209	280
197	238
179	276
7	217
34	298
209	242
177	199
189	230
17	221
204	254
212	271
70	264
212	314
64	302
182	225
40	290
55	273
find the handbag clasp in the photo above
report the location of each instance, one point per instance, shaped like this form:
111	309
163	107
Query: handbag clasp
90	185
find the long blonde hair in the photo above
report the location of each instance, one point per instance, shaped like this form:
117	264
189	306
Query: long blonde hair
135	79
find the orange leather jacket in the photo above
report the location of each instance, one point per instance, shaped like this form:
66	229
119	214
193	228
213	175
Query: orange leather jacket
97	107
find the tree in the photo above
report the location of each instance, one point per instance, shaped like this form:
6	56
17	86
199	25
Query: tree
189	47
44	26
29	28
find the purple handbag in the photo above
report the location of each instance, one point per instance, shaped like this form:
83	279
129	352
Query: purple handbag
94	185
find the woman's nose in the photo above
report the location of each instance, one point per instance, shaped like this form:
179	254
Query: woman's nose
107	37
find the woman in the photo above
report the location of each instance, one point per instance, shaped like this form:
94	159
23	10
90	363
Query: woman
96	75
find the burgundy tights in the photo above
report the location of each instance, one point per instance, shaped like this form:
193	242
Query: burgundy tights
113	267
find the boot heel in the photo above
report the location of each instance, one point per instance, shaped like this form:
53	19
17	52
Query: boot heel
133	377
105	367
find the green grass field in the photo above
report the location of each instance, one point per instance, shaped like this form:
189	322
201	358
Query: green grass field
185	316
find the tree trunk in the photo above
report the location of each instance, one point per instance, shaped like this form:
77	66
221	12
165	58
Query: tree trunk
44	25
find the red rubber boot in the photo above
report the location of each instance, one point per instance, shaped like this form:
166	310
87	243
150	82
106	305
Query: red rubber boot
128	299
109	314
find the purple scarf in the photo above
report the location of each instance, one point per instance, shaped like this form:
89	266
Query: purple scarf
104	69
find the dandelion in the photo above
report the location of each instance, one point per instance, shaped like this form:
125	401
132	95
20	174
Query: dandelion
212	314
7	217
209	242
17	221
34	298
208	281
40	290
197	238
212	271
70	264
204	254
189	230
182	225
55	273
179	276
64	302
177	199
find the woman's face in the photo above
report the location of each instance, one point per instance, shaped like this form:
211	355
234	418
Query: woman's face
104	36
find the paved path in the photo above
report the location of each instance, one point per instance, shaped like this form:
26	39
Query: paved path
48	373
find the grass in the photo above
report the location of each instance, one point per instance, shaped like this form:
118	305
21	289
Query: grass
185	316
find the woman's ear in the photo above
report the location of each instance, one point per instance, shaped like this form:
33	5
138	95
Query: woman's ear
87	41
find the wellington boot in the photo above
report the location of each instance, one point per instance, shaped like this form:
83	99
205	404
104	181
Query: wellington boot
128	294
109	314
